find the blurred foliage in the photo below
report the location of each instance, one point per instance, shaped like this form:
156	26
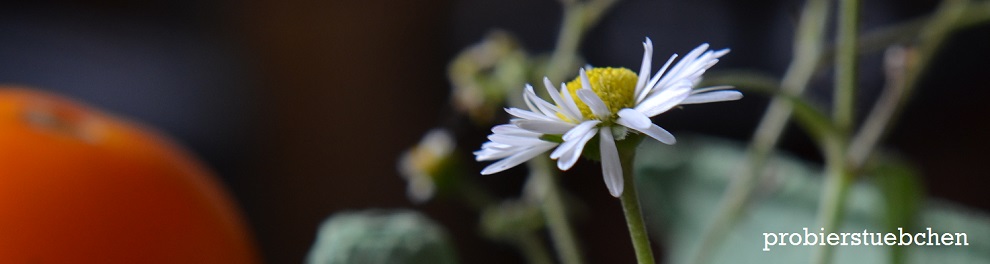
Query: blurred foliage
380	237
681	185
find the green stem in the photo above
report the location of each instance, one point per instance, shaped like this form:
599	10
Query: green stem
474	196
579	16
845	65
950	16
838	178
838	173
555	213
565	53
533	250
809	53
808	44
878	120
904	68
631	208
529	243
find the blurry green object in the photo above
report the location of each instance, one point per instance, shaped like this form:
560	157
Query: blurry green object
379	237
681	186
486	75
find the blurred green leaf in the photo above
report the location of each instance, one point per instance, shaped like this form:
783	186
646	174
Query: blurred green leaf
380	237
681	186
903	197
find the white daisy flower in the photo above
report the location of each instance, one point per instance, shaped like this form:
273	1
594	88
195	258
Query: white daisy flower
607	102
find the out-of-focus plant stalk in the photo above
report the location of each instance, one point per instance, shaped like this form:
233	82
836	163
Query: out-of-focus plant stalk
567	42
810	54
889	101
555	211
533	249
838	178
844	94
579	16
838	172
951	15
808	45
904	68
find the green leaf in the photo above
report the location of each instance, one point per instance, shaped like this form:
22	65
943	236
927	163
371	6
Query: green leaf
380	237
681	186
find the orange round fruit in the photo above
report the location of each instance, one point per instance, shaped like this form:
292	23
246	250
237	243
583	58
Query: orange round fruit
81	186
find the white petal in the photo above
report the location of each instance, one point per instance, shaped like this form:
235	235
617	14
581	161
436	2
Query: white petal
644	68
688	59
580	129
721	52
709	97
546	108
691	67
562	149
571	156
633	119
712	89
572	114
488	149
653	81
658	133
569	102
543	126
585	81
493	151
510	129
663	101
526	99
515	140
516	159
574	135
492	154
524	114
595	103
611	167
494	146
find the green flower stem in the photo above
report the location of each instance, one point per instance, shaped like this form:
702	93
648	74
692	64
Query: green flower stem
555	213
631	208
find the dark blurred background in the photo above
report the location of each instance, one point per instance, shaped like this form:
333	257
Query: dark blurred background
302	107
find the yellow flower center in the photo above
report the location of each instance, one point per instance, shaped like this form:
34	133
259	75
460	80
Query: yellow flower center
615	86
